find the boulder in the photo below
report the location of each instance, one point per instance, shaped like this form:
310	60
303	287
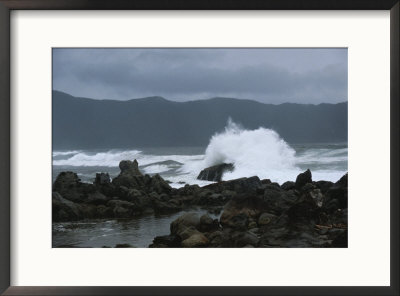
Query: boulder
276	200
215	173
336	195
123	209
266	218
65	210
303	178
102	179
131	167
241	185
159	185
97	198
184	221
242	239
289	185
130	176
249	204
208	224
197	240
239	221
170	241
70	187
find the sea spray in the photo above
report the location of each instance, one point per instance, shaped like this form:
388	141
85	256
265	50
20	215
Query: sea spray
260	152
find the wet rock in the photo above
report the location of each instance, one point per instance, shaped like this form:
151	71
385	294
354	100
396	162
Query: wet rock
123	209
241	185
341	241
208	224
159	185
170	241
97	198
241	210
197	240
239	221
215	173
303	178
130	176
65	210
266	218
289	185
70	187
124	246
185	221
276	200
130	167
186	232
323	185
339	193
242	239
102	179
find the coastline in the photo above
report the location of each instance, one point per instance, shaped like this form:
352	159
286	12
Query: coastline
255	213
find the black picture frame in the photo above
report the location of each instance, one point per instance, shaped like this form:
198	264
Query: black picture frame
8	5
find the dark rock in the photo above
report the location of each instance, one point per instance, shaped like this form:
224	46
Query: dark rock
242	239
124	246
266	218
239	221
183	222
170	241
289	185
70	187
159	185
130	176
338	192
303	178
307	207
131	167
323	185
103	211
97	198
208	224
241	185
65	210
266	181
123	209
276	201
341	241
197	240
247	204
215	173
102	179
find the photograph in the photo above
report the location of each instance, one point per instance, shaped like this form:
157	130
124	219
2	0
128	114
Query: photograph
199	147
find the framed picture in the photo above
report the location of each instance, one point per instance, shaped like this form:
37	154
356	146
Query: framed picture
162	148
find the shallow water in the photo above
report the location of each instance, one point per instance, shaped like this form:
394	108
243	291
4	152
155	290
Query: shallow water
138	232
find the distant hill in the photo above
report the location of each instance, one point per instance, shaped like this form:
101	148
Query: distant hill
82	123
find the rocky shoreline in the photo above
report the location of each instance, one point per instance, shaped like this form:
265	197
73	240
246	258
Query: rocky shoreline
254	212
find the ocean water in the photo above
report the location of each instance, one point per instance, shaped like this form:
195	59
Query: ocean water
261	152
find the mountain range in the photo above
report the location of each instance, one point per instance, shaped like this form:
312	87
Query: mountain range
83	123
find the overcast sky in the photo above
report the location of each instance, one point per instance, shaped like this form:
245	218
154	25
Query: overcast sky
266	75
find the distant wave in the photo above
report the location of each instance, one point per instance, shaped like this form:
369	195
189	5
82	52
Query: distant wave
62	153
107	159
113	157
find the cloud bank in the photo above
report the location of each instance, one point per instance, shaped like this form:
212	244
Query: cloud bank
266	75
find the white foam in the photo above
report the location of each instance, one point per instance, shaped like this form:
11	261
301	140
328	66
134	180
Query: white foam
62	153
107	159
260	152
155	169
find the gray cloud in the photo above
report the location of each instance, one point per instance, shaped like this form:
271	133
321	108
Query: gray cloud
267	75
